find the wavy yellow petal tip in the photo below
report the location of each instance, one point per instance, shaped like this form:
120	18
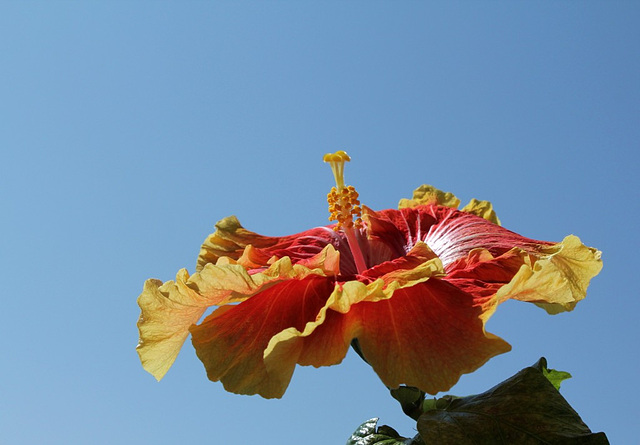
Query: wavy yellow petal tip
558	279
167	312
429	195
483	209
229	239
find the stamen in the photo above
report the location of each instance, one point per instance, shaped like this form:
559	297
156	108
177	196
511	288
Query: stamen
344	206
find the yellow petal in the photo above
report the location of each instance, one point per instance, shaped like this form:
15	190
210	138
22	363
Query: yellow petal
429	195
558	279
483	209
166	310
169	309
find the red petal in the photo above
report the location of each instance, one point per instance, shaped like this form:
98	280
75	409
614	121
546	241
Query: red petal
399	230
480	262
231	341
452	234
426	335
230	240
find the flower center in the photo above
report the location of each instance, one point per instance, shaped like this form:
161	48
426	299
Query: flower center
344	206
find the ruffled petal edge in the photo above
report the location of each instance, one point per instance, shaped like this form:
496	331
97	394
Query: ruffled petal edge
429	195
168	310
558	279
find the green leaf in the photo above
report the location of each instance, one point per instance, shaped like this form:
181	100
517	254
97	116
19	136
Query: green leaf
524	409
368	434
411	400
363	431
555	377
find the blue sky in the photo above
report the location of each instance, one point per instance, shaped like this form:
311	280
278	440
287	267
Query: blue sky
128	129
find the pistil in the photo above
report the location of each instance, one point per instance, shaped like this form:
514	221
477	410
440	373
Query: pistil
344	206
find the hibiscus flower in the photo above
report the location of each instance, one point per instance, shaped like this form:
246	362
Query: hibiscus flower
411	288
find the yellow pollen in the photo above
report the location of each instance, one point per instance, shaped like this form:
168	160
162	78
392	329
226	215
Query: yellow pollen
343	201
343	207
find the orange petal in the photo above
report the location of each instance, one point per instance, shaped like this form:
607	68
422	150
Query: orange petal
232	340
426	335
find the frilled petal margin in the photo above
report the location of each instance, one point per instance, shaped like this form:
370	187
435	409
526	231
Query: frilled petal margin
169	309
558	278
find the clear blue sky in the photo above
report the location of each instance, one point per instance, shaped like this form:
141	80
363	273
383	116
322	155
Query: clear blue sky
128	129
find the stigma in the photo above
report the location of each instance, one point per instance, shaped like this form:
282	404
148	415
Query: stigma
336	161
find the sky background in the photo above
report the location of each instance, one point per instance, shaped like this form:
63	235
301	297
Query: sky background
127	129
